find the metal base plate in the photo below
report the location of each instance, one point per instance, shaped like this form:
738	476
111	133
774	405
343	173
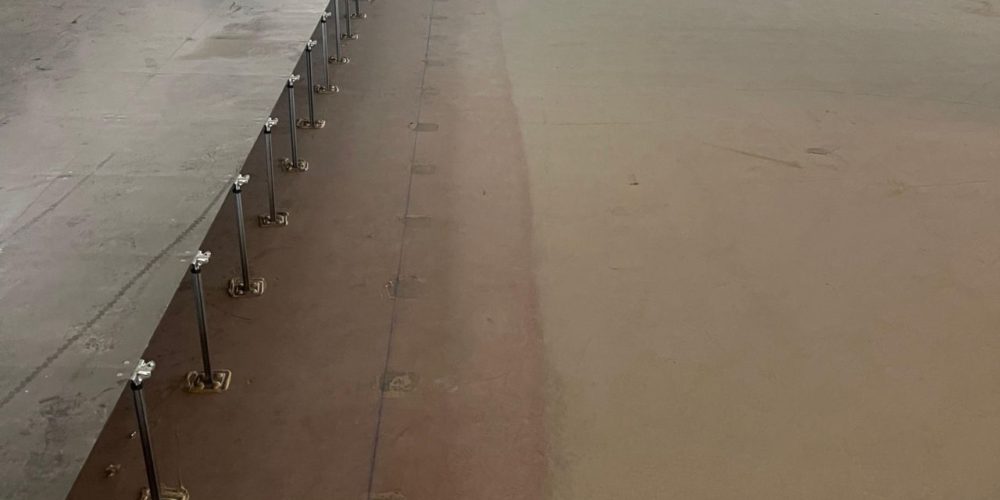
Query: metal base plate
280	220
166	493
323	89
288	166
349	36
342	60
195	384
303	123
238	289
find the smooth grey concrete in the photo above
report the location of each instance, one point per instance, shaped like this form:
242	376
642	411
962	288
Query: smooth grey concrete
121	123
766	245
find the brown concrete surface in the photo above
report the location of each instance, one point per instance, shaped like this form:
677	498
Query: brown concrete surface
407	260
767	262
606	250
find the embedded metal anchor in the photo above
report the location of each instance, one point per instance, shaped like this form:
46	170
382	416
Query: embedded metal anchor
243	285
273	218
293	164
154	490
312	122
208	380
349	35
337	58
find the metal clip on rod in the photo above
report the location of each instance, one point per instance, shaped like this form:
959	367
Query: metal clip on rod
274	217
312	122
243	285
350	35
207	380
357	11
154	490
337	58
293	164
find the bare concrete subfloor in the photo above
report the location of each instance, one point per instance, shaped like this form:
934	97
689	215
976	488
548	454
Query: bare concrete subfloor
590	250
396	343
767	262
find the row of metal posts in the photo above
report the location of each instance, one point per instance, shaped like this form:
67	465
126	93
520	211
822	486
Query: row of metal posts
210	380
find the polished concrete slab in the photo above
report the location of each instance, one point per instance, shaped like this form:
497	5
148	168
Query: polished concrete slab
121	124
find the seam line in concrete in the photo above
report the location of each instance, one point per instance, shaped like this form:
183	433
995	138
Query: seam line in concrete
27	225
399	264
114	300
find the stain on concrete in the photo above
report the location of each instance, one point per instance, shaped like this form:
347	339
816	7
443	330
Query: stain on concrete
409	287
397	384
50	461
423	169
982	8
751	154
97	343
818	151
416	220
424	127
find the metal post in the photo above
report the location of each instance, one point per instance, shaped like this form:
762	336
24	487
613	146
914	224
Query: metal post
241	229
200	259
144	370
312	122
350	35
155	491
293	163
337	58
326	87
357	11
274	218
243	285
207	380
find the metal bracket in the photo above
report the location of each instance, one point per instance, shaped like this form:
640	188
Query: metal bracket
288	166
270	123
200	259
349	36
143	369
342	60
292	79
321	89
167	493
362	16
266	221
304	123
240	181
239	289
195	384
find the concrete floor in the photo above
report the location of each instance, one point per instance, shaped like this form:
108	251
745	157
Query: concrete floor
121	123
396	350
765	254
587	249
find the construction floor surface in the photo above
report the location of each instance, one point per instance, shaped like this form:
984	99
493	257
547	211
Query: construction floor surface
610	250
